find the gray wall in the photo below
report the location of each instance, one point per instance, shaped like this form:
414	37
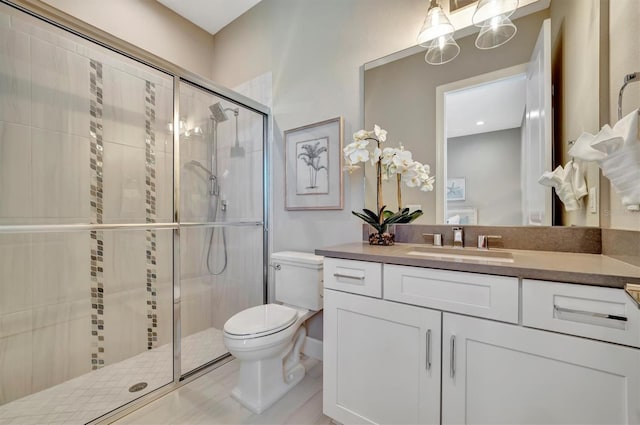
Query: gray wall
314	50
490	163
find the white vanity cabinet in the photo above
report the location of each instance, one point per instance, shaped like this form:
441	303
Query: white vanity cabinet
436	354
497	373
381	361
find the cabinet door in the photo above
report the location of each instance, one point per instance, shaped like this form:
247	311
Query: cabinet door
500	373
381	361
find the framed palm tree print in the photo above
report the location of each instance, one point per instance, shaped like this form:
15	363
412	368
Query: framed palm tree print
313	166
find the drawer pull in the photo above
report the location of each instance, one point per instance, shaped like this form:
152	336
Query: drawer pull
429	349
590	314
452	369
346	276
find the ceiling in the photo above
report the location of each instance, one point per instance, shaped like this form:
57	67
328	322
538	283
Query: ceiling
210	15
499	105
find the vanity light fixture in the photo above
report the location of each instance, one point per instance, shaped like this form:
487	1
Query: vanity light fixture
479	122
436	35
492	16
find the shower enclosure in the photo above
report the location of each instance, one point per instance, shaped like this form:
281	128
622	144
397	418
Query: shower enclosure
132	222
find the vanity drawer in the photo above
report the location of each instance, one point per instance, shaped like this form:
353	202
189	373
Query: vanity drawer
481	295
605	314
357	277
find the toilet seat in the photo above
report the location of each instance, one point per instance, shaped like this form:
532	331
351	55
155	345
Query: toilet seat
260	321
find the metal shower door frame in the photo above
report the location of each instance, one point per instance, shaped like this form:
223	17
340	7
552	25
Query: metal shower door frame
264	111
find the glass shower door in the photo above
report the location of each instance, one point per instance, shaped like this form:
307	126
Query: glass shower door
221	217
85	272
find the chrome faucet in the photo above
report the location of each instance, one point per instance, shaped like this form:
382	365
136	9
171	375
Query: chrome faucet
458	237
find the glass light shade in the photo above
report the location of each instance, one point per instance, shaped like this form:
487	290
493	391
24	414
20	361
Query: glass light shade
487	9
442	50
496	34
435	25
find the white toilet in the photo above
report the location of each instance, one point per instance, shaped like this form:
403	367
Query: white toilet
267	339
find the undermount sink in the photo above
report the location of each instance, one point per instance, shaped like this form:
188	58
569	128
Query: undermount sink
447	253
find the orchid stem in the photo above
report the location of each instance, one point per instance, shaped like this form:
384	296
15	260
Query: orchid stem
399	191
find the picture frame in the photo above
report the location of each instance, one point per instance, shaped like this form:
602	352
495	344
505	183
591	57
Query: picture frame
456	189
468	215
313	166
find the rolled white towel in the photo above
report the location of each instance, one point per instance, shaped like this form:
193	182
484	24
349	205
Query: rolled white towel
582	149
578	180
621	164
561	179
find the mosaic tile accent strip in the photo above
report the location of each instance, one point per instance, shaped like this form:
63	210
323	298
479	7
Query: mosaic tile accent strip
97	237
150	180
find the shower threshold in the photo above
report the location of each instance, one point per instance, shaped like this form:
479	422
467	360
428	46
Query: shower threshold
89	396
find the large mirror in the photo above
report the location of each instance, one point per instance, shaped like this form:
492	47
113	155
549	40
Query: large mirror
487	122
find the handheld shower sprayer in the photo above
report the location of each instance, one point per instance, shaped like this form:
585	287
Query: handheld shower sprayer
214	189
629	78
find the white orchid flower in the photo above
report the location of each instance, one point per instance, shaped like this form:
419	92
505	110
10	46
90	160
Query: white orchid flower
427	185
356	152
387	156
360	155
411	177
361	135
375	157
402	160
380	133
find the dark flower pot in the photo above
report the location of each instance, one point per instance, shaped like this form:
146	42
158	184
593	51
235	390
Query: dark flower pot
384	239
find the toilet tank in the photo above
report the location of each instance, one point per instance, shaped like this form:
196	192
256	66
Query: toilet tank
298	278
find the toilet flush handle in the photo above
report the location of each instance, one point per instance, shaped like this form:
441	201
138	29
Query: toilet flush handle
275	266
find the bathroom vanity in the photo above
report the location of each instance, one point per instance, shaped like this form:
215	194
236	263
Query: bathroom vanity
536	337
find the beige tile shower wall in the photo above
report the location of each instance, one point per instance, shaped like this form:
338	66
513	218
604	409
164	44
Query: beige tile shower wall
624	58
45	305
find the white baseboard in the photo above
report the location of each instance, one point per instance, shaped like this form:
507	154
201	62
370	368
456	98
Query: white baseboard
312	348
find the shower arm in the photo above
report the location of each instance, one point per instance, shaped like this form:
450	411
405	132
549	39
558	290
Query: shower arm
629	78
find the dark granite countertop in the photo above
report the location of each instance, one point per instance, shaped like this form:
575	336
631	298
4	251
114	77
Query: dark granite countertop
588	269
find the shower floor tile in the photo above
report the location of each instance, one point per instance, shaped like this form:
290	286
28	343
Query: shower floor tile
94	394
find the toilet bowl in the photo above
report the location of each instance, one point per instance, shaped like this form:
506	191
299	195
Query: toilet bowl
267	339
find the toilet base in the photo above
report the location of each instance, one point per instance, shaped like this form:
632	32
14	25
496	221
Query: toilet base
261	383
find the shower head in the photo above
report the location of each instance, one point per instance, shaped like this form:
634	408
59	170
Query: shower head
218	113
237	151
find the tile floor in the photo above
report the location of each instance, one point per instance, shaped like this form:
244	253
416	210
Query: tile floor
207	400
89	396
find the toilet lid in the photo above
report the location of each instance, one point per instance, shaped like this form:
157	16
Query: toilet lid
268	318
